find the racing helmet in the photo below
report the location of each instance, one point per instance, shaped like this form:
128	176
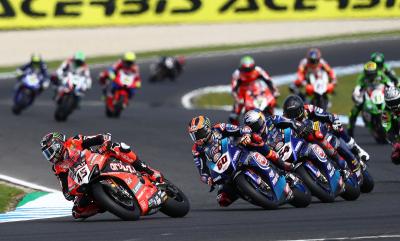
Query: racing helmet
392	98
36	59
200	129
52	146
79	58
128	59
247	64
181	60
378	58
370	71
293	107
255	119
313	56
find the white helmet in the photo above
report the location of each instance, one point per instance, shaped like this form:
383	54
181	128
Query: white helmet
255	119
392	98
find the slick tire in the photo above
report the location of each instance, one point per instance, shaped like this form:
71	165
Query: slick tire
176	207
351	192
302	198
368	182
106	202
246	189
315	189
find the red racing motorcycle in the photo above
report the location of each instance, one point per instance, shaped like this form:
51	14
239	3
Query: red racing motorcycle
118	188
259	96
122	85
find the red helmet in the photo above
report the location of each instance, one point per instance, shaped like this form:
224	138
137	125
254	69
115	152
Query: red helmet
181	60
313	56
52	146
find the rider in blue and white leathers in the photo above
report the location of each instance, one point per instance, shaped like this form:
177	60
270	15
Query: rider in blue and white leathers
269	130
37	66
207	149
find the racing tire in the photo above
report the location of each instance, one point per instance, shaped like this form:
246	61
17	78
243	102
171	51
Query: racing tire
351	192
177	205
368	182
106	202
316	190
16	109
27	97
118	107
302	198
247	189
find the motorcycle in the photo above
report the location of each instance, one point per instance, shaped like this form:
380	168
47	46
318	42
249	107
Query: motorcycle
259	97
322	177
25	94
318	88
164	69
70	92
256	179
373	107
122	84
365	180
118	188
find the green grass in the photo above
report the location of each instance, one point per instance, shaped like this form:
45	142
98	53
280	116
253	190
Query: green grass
217	48
341	101
9	196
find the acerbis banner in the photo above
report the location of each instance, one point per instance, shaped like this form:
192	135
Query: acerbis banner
86	13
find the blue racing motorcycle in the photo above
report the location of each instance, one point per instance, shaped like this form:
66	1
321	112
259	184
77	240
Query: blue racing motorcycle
256	179
26	92
320	174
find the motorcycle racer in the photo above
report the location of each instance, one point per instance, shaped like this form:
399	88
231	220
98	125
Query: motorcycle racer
76	65
36	65
370	75
172	65
270	131
391	121
242	79
128	64
312	63
63	152
294	108
206	146
379	59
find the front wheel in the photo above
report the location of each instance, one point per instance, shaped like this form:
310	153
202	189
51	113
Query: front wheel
302	196
351	189
249	191
368	182
177	205
315	185
107	198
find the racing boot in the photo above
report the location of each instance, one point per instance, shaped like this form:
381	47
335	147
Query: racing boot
357	150
84	208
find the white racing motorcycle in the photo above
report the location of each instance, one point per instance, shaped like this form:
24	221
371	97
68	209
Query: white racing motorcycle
318	89
70	93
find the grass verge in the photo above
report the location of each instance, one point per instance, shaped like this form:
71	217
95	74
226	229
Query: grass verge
9	197
217	48
341	100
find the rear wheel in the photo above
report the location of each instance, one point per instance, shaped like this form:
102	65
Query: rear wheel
108	199
316	185
249	190
177	205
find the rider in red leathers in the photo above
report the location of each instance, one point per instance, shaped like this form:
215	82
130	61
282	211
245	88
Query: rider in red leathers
127	64
311	63
63	153
242	80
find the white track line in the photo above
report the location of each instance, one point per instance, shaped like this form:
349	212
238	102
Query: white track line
26	184
346	238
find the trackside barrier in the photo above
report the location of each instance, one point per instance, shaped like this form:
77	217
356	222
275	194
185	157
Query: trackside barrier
86	13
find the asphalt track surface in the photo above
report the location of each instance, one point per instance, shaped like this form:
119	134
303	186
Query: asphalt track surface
155	125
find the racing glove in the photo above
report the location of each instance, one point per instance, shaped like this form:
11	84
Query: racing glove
206	179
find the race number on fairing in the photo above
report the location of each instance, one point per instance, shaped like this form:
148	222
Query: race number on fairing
222	164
